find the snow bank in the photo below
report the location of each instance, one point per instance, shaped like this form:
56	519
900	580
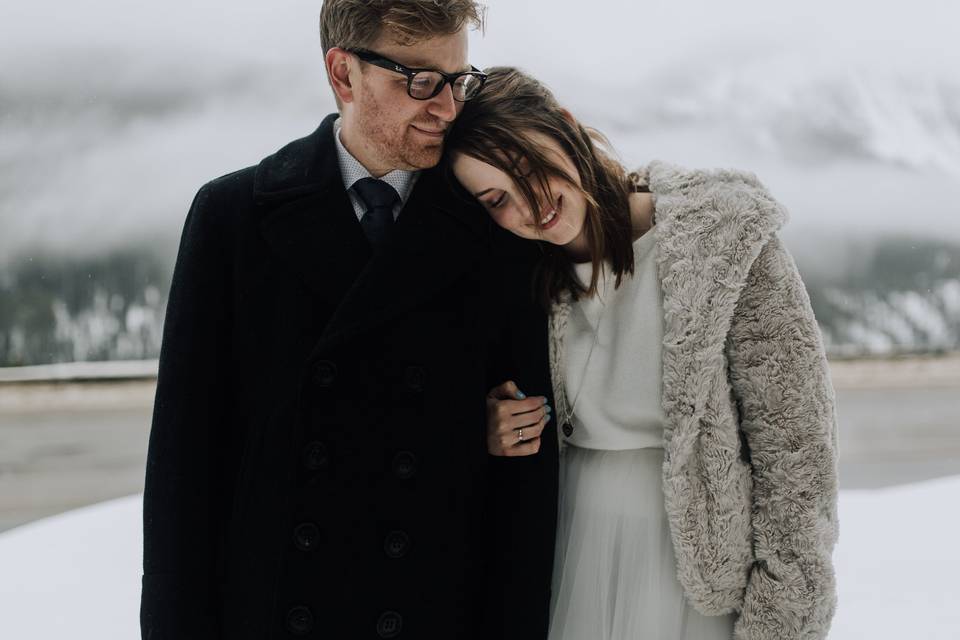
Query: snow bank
897	563
77	574
74	575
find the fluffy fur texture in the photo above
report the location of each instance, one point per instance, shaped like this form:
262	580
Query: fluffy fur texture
750	442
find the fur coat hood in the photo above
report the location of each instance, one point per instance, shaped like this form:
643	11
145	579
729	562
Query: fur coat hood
750	441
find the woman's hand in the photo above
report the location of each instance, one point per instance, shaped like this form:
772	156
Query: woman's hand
515	422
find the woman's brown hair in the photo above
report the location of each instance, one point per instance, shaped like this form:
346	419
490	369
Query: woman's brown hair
496	127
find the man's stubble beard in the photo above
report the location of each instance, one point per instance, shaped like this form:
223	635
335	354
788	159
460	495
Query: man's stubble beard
395	146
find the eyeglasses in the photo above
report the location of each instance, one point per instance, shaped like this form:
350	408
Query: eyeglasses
423	84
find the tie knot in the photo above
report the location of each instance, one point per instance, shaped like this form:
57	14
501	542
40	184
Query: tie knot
376	193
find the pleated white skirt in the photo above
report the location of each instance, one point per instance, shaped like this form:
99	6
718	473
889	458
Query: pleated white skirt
615	572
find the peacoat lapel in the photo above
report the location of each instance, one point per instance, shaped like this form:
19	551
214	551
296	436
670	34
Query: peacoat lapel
307	219
439	234
310	225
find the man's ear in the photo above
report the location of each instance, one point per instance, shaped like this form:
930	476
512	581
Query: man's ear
339	64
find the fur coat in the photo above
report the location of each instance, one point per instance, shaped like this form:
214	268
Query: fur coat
750	440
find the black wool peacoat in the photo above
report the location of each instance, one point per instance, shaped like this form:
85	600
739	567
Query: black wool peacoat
317	462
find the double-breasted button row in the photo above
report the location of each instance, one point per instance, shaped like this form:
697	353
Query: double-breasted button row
300	622
325	375
316	457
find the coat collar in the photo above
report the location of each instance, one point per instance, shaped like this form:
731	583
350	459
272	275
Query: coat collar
308	222
711	226
306	165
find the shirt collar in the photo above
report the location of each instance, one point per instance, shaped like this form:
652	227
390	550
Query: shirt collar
352	170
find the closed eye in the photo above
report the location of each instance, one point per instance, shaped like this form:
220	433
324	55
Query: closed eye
499	201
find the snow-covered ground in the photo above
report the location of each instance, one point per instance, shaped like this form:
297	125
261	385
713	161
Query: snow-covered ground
77	575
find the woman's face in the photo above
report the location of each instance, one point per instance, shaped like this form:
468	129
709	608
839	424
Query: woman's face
562	215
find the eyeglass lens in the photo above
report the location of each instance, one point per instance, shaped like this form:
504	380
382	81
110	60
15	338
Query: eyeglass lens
424	85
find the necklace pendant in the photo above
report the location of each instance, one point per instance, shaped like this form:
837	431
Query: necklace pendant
567	429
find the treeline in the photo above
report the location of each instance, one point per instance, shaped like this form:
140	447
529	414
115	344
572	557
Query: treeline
891	295
894	294
101	307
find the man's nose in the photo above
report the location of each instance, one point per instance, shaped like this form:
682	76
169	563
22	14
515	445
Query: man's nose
442	105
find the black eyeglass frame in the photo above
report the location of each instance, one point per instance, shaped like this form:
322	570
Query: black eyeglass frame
378	60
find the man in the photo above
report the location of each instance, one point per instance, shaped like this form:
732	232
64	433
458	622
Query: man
317	464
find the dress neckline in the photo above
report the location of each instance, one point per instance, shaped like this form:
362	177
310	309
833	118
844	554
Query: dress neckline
641	246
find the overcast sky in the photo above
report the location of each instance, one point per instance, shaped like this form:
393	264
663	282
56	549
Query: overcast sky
113	112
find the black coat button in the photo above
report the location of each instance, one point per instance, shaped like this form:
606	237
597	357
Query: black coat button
404	465
299	621
389	624
325	373
315	456
415	378
306	536
397	544
567	429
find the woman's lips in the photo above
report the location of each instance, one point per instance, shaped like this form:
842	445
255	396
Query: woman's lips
553	221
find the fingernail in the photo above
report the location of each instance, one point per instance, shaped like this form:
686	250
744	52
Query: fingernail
521	395
549	409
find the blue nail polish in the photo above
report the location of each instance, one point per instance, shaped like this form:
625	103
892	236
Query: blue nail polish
521	395
549	409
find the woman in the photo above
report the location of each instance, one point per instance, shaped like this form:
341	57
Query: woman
695	411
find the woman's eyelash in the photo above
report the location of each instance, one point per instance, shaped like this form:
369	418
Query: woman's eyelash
496	203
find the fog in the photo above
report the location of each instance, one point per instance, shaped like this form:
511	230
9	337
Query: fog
113	113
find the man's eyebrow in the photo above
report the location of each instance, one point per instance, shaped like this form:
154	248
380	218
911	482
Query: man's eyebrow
419	63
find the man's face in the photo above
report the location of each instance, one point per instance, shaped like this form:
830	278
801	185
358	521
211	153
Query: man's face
396	131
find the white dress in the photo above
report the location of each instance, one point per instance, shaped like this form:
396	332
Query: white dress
615	570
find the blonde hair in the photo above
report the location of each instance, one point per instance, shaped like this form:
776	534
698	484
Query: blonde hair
357	24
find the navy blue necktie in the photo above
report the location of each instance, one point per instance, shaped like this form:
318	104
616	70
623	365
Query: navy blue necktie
380	199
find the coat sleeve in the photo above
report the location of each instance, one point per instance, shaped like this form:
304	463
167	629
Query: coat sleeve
185	502
522	526
780	380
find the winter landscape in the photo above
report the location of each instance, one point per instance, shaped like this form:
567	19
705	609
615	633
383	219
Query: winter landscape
113	114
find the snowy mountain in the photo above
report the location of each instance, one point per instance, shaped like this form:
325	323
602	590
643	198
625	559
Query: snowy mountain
805	111
113	115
